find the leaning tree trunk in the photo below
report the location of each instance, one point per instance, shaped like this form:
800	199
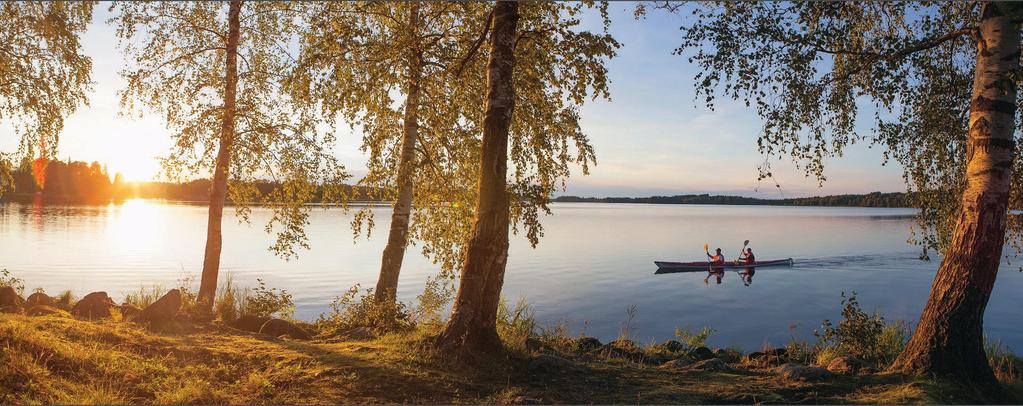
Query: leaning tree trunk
397	238
218	191
948	340
473	323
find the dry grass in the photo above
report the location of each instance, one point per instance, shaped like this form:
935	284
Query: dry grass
63	360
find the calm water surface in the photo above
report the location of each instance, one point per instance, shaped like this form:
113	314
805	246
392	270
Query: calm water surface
594	261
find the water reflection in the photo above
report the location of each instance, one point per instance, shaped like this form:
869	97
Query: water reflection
593	262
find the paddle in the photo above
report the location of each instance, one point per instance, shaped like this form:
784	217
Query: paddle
706	250
742	250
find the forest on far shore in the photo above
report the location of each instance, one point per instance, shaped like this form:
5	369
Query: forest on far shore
78	181
875	199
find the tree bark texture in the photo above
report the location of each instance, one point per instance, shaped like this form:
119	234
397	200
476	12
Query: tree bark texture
949	339
397	238
473	323
218	190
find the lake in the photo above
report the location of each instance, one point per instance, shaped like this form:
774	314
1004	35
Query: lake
594	262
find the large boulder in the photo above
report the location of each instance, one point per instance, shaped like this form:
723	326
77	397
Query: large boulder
44	310
40	298
713	364
163	309
799	372
846	364
10	298
548	363
94	305
280	328
249	323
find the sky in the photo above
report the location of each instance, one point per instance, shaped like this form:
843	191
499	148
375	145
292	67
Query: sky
652	138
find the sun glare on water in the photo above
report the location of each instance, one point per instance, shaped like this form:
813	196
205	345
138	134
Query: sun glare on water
136	225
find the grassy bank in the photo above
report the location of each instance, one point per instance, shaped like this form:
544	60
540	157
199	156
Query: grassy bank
58	359
365	352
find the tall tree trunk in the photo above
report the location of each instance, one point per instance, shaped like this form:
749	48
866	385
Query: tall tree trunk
218	191
397	238
948	340
473	324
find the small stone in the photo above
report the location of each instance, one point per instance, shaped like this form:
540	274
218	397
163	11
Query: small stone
846	364
702	353
584	344
40	298
728	354
677	363
250	323
713	364
93	305
799	372
548	363
44	310
765	361
672	346
279	328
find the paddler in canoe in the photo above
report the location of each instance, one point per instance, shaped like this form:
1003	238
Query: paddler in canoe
747	257
717	259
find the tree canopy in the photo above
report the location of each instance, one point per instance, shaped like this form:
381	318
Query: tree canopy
355	59
176	57
44	74
818	72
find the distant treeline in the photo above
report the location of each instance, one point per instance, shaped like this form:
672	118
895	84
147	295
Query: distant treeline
76	181
876	199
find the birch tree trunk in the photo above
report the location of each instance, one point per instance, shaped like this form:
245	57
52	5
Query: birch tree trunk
397	238
218	190
949	339
473	323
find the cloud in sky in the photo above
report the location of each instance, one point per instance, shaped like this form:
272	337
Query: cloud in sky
654	137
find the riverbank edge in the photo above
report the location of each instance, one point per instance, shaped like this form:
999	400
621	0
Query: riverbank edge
60	359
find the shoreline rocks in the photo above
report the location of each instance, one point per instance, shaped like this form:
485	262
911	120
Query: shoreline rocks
281	327
94	305
10	300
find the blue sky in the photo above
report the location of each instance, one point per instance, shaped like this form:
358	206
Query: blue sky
652	138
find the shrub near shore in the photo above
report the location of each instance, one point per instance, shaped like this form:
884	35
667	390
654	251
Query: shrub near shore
59	359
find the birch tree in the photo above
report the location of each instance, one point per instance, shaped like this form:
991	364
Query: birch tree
540	69
44	73
942	80
214	71
391	69
411	77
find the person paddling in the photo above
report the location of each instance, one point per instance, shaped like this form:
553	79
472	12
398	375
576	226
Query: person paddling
750	259
717	259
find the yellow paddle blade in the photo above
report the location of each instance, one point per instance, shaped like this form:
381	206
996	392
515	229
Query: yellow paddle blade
706	248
